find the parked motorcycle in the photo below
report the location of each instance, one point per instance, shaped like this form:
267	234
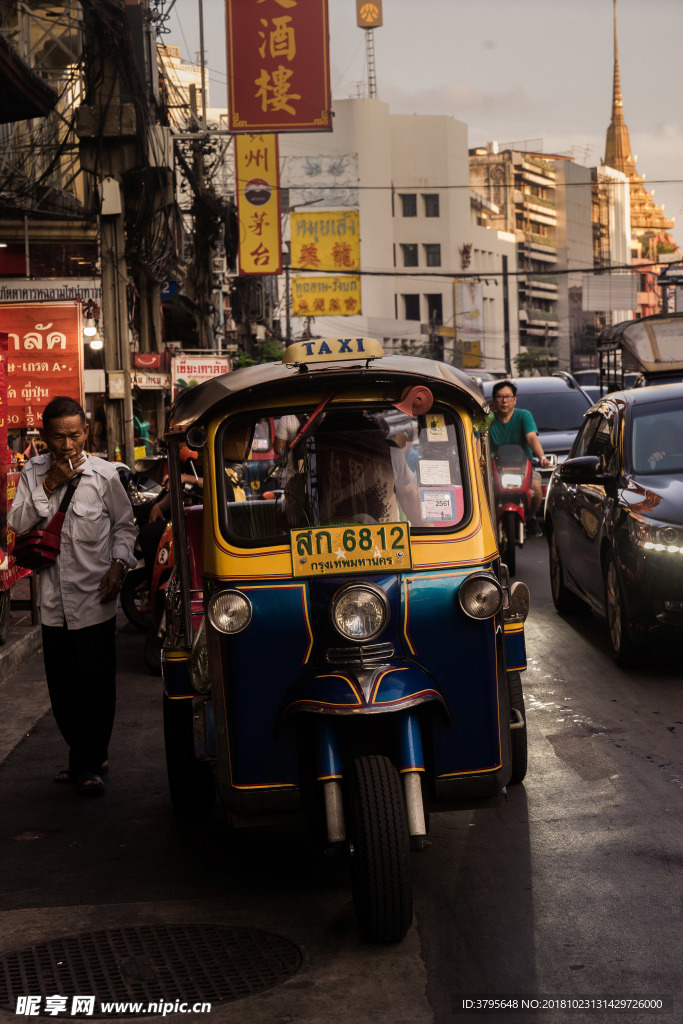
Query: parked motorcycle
144	486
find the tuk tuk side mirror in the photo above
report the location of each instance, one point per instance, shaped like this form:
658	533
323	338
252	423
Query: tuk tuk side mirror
196	438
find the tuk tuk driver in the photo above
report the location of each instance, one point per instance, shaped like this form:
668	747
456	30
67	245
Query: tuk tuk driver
517	426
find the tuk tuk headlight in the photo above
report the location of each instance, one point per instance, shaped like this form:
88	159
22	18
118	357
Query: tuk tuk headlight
229	611
359	611
480	596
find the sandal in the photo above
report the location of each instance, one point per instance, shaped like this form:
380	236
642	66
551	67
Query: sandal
65	775
89	784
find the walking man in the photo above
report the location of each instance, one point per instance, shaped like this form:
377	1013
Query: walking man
78	593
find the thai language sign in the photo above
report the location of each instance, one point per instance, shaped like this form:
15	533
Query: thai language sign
325	240
44	357
278	65
187	371
258	204
350	549
326	296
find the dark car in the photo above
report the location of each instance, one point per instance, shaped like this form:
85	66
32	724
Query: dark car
558	406
614	517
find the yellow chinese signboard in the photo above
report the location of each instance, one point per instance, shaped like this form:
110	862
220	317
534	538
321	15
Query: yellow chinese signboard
325	240
258	204
326	296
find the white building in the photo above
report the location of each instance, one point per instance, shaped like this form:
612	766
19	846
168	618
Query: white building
425	261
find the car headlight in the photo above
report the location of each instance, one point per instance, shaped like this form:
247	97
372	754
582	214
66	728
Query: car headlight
229	611
511	480
359	611
652	536
480	596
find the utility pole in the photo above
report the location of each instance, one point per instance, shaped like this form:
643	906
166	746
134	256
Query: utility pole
506	317
107	129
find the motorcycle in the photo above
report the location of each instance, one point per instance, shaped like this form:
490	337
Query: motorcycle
391	688
512	476
144	486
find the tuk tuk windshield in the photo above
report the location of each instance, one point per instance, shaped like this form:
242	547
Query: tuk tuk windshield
372	465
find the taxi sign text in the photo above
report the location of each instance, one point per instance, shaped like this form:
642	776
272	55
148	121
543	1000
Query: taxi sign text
331	550
323	349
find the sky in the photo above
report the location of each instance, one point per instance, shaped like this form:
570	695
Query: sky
536	73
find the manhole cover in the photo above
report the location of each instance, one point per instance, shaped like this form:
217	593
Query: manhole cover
148	965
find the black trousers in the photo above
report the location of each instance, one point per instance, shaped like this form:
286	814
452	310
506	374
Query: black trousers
80	667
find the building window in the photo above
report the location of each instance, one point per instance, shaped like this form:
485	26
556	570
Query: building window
411	307
408	204
435	308
431	205
433	255
409	255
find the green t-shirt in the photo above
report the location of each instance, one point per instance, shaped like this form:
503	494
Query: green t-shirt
514	431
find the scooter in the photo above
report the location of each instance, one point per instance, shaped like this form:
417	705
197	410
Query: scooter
512	474
144	487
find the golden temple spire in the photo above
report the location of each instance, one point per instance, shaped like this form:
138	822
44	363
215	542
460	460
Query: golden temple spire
618	144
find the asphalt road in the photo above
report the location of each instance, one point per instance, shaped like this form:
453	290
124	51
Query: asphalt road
572	889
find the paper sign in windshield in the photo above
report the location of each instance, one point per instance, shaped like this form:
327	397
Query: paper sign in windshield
433	471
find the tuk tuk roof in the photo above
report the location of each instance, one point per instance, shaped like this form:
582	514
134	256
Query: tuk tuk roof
197	404
653	343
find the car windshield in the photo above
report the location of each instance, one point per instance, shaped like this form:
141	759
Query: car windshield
657	438
555	410
372	465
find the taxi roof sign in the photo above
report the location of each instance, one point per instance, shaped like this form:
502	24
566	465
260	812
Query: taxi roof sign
330	350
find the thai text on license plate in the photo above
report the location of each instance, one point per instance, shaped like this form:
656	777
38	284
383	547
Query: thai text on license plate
330	550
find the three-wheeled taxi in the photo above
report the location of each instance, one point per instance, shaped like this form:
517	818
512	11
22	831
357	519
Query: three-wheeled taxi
344	645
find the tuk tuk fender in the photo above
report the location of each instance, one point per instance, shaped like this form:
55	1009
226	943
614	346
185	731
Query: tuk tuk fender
330	774
175	672
363	691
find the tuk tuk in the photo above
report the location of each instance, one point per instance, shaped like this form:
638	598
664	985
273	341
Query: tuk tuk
343	643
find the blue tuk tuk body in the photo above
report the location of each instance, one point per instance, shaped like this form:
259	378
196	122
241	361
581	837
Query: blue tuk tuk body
349	638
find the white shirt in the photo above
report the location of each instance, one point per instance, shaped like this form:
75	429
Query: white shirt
98	527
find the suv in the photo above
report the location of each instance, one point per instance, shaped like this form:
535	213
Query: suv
558	406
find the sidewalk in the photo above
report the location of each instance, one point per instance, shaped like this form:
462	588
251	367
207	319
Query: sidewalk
23	694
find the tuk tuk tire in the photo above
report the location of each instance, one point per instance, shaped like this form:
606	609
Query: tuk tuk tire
190	782
5	608
518	737
381	877
152	651
129	596
508	540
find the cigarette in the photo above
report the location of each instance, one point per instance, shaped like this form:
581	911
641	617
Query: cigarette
70	466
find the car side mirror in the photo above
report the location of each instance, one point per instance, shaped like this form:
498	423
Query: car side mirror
586	469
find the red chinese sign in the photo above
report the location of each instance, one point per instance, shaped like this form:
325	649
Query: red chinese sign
258	204
278	65
44	357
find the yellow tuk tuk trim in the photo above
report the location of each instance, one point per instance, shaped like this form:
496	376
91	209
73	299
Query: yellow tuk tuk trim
330	350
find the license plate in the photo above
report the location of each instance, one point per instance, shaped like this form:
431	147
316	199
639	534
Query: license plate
336	550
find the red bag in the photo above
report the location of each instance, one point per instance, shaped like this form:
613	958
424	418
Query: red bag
38	549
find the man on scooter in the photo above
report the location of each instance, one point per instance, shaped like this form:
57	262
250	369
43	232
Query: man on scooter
516	426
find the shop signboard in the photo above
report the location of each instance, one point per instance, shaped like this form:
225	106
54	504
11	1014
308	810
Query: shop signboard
326	296
44	358
188	370
278	65
325	240
258	204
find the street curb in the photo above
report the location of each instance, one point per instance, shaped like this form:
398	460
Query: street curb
16	652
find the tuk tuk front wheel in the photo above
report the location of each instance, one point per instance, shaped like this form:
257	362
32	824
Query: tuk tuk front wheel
380	850
518	737
190	782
